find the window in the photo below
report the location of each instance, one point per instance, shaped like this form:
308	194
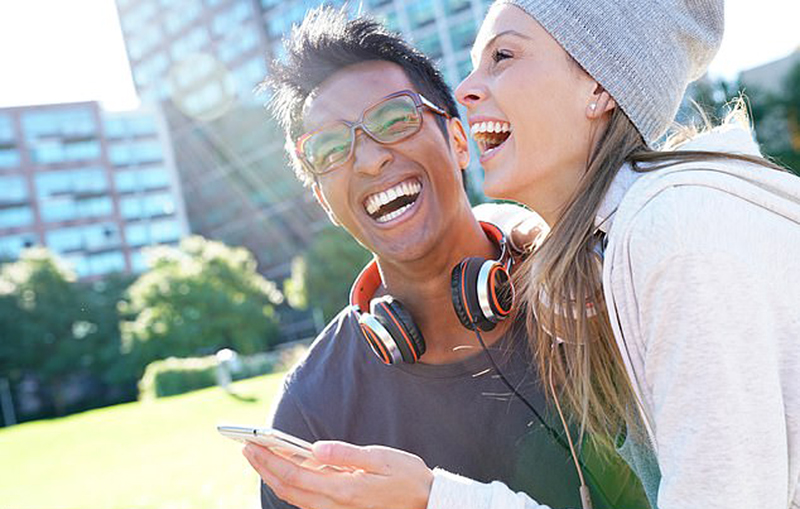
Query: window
124	154
228	22
431	46
81	151
421	13
9	158
134	180
87	180
154	178
14	217
238	43
464	68
12	245
190	43
66	122
6	129
180	17
149	70
454	6
248	76
15	189
158	204
137	234
65	239
154	232
131	208
94	207
104	263
164	231
125	126
138	262
462	35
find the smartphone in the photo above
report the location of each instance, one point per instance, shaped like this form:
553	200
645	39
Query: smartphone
283	444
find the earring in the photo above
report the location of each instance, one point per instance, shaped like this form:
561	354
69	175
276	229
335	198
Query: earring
593	106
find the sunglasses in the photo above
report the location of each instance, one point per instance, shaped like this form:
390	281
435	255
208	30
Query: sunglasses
394	118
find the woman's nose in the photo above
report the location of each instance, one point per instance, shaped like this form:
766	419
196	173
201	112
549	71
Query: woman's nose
469	92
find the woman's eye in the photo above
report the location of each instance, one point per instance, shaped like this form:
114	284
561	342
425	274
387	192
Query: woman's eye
500	54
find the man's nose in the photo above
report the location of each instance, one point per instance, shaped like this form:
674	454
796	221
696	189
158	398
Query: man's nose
370	157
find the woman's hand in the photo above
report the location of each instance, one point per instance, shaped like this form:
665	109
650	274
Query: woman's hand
376	477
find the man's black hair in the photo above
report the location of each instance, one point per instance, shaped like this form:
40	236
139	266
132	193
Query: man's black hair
326	42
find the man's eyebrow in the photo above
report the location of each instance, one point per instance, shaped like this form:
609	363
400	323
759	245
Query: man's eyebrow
496	36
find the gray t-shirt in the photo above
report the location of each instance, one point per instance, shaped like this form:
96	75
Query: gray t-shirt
460	416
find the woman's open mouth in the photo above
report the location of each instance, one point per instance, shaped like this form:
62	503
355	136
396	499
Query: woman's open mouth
393	202
490	136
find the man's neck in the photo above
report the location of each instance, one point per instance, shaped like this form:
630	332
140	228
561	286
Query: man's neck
423	287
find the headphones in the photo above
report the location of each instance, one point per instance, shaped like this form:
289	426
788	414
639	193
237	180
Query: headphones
482	295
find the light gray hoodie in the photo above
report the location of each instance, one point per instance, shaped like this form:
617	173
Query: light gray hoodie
701	276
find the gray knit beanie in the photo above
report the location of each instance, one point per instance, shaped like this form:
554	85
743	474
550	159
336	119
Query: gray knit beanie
643	52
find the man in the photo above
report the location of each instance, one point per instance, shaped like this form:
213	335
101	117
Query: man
394	182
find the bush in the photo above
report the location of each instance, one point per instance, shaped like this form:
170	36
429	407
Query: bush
172	376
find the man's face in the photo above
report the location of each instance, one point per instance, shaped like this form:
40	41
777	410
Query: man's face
398	200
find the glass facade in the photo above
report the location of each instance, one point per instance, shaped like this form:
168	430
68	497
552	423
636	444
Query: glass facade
6	130
61	122
15	217
15	189
136	152
12	245
9	157
66	195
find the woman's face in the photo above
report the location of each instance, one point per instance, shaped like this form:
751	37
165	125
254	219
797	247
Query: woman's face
529	109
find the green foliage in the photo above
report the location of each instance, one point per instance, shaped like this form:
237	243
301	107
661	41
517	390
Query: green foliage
332	263
199	298
172	376
55	328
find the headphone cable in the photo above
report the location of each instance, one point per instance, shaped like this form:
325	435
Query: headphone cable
586	501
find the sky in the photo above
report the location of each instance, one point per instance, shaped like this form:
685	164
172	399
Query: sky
55	51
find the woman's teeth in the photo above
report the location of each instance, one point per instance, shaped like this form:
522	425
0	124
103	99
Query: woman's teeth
391	203
490	135
490	127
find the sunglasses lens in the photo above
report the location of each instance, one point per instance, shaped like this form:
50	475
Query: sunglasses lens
393	119
327	147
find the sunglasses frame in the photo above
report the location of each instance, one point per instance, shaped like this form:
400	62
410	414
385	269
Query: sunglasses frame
420	101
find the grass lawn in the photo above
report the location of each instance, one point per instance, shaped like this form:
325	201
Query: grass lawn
159	454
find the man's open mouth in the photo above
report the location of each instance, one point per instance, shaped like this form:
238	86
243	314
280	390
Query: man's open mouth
490	135
393	202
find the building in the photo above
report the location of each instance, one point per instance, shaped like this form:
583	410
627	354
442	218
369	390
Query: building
203	59
92	186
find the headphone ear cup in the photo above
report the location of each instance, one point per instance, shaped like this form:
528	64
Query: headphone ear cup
404	332
464	292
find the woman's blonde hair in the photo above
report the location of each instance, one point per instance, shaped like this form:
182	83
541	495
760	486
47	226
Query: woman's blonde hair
567	318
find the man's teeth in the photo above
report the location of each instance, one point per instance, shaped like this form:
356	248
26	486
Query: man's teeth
391	215
375	201
490	127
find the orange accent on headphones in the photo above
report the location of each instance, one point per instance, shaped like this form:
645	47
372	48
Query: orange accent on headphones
481	291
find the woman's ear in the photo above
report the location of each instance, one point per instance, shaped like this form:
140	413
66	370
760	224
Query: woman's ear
324	204
459	141
600	103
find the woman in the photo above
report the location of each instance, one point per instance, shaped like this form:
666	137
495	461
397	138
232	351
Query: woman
662	302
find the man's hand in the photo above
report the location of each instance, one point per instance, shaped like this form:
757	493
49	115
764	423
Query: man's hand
371	477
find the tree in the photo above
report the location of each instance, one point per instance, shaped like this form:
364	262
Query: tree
40	322
196	299
331	264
